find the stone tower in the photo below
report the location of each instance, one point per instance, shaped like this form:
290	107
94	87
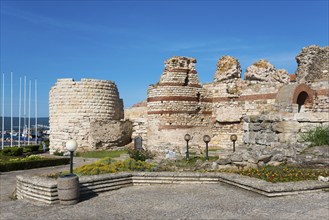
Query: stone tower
177	105
89	111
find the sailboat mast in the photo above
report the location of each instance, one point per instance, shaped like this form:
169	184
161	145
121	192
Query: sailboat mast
29	121
11	109
36	111
19	111
3	109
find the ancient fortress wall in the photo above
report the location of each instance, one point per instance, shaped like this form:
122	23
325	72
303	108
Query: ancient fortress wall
137	114
88	111
266	109
233	100
249	107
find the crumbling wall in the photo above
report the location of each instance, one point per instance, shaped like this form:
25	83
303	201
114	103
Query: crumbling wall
233	101
313	64
137	114
89	111
280	134
179	104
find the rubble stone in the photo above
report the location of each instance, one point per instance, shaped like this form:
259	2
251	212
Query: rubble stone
228	69
264	71
313	64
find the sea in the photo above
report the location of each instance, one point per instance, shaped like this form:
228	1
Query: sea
43	121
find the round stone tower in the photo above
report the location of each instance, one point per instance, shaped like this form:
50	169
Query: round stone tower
177	105
89	111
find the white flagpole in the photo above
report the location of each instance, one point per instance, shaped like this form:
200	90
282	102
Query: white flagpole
36	112
3	109
24	107
11	109
19	114
29	122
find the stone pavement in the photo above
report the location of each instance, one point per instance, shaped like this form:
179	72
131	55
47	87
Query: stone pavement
206	201
194	201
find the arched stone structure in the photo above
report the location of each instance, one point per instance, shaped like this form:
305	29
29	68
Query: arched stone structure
299	94
303	89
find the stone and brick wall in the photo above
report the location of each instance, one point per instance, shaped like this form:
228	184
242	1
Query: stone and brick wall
91	111
177	105
180	104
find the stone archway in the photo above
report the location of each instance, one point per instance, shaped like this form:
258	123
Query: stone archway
301	99
302	95
294	94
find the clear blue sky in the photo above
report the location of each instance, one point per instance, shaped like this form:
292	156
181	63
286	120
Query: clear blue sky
128	41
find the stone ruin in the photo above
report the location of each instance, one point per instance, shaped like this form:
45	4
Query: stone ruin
89	111
269	110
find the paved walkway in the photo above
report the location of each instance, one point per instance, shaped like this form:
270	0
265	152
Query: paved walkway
208	201
199	201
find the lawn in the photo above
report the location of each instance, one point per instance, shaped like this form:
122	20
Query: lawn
101	154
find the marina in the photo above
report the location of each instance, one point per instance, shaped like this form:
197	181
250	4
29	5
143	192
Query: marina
22	130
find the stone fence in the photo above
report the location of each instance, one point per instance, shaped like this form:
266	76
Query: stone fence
44	190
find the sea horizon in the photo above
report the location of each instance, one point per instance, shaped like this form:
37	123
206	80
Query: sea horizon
7	122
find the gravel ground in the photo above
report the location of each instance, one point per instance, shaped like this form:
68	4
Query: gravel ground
197	201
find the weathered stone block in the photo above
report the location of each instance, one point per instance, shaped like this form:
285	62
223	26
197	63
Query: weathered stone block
236	157
265	158
228	114
224	161
255	127
286	126
287	137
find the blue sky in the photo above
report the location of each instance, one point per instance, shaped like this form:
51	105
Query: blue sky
128	41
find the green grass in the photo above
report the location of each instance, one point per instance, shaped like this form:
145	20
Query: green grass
108	165
318	136
101	154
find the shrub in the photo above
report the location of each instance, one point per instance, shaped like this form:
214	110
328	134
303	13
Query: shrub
30	148
57	153
318	136
32	163
12	151
107	165
34	147
101	154
141	155
28	158
27	150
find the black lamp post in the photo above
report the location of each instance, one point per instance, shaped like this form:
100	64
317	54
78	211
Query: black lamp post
187	138
71	146
206	139
233	139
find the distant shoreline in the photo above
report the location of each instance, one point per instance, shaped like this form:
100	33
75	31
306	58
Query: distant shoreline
41	121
